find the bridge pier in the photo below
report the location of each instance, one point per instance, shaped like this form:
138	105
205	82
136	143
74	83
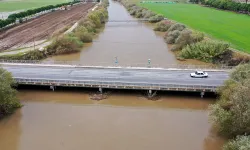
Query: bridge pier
52	88
151	94
202	94
100	90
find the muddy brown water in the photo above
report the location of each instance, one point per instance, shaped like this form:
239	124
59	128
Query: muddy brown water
70	120
131	42
64	120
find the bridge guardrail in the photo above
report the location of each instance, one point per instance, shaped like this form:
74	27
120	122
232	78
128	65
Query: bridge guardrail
117	65
115	83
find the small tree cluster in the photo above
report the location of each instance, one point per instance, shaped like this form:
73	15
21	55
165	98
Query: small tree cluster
163	25
204	50
8	99
240	143
180	36
231	114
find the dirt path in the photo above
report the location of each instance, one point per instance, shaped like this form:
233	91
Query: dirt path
42	27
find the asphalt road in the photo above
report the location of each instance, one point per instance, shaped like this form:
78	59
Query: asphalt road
178	77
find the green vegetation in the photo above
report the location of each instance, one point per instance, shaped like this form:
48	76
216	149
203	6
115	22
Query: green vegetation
163	26
8	99
64	45
19	16
12	5
228	5
240	143
231	113
205	50
227	26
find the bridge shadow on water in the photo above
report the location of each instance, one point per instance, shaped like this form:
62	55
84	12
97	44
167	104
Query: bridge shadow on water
143	93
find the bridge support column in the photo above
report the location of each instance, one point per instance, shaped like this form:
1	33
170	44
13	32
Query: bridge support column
52	88
100	90
202	94
151	94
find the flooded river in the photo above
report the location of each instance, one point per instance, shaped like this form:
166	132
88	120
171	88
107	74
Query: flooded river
132	43
69	120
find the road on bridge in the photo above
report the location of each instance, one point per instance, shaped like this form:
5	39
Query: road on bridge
151	76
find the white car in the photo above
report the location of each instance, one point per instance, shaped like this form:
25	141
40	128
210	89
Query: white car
199	74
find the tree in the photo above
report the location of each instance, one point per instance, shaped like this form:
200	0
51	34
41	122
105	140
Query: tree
231	114
240	143
8	99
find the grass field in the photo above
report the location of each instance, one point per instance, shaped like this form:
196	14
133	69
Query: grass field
12	5
227	26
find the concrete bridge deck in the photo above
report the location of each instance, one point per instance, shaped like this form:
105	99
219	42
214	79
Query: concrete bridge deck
120	78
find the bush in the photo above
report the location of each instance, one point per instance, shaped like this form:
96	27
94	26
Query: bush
31	55
156	18
240	143
82	33
88	24
187	37
177	26
171	36
162	26
231	115
147	13
8	99
63	45
204	50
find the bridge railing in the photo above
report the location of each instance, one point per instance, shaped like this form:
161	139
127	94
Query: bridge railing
119	65
113	83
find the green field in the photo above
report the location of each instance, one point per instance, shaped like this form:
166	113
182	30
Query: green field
12	5
227	26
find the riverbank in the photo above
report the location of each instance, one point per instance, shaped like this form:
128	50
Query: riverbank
70	42
178	36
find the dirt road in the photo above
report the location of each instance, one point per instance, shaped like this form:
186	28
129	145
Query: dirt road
42	27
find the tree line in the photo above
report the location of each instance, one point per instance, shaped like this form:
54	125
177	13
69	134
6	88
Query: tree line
226	5
18	16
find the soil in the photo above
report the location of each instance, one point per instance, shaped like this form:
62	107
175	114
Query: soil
42	27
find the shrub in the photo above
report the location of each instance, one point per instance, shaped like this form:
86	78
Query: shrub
204	50
240	143
8	99
31	55
82	33
63	45
171	36
156	18
231	115
88	24
162	26
177	26
187	37
147	13
95	19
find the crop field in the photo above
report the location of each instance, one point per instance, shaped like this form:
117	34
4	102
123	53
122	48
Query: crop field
13	5
227	26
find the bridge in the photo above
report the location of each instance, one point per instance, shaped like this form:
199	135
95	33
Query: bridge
137	78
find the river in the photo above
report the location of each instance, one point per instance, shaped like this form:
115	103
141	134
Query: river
68	120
